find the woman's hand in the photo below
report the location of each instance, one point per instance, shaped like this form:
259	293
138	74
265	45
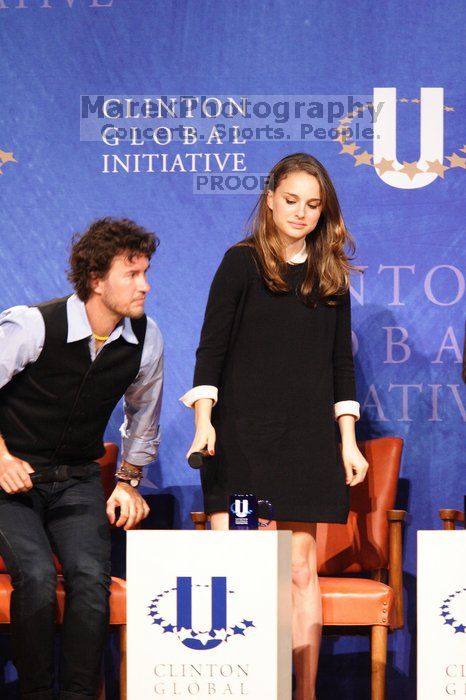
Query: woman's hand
205	431
355	464
204	438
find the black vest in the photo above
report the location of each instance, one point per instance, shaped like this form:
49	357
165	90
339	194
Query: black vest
56	410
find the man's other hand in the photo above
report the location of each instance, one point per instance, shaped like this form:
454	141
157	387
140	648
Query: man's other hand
14	474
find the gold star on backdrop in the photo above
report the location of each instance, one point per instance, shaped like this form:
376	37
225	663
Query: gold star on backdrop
7	157
456	161
435	166
410	169
404	99
415	99
363	158
384	165
350	148
449	109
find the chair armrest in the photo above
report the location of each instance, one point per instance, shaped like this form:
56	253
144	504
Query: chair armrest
199	520
450	517
395	566
108	463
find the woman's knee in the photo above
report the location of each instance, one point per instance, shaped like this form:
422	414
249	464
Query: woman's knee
302	573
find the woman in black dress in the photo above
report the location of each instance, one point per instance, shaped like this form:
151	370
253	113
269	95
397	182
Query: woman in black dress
274	369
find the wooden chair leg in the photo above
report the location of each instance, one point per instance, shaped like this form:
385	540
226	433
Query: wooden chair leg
379	635
100	695
123	662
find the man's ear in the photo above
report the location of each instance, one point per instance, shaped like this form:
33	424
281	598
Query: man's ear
95	283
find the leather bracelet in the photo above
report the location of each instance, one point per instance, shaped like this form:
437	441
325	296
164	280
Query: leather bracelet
129	476
127	472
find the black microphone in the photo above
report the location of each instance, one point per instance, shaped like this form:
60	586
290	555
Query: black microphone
196	460
58	473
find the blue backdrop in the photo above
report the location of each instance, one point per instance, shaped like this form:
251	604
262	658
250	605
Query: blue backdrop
58	174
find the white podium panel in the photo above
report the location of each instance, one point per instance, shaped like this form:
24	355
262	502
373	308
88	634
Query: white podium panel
441	614
209	615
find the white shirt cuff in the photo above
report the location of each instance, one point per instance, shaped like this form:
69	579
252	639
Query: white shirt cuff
200	392
344	408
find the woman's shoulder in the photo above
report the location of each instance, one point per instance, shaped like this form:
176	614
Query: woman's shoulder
241	252
240	256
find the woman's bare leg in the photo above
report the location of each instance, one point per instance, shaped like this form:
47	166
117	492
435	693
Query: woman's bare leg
307	604
219	521
307	607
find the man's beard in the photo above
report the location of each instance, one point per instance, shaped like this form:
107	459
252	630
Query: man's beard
135	314
119	310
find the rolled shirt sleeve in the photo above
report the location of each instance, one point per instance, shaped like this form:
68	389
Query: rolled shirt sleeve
22	335
140	431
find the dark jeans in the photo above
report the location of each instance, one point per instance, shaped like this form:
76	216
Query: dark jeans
68	518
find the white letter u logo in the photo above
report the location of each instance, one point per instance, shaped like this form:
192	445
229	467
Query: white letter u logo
431	140
241	508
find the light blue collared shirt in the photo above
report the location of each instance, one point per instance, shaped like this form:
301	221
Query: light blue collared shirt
22	335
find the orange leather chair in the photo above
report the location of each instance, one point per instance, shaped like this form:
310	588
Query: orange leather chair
369	545
451	517
117	590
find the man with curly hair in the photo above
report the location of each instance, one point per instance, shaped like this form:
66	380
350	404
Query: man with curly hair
64	365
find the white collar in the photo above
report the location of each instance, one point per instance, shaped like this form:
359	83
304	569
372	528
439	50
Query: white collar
299	257
79	327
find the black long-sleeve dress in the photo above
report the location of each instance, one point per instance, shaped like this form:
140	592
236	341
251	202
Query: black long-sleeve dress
279	366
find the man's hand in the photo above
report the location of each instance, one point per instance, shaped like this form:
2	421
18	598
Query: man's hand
14	474
133	507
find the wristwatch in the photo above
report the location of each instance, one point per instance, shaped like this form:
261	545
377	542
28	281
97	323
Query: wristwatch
128	475
132	482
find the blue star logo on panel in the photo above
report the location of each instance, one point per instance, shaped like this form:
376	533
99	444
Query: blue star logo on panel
453	611
172	610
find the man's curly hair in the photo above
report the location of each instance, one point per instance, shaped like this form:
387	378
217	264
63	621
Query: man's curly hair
92	252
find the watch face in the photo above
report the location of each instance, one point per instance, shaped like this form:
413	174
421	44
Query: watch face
134	483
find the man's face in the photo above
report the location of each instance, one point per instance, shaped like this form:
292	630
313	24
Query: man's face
123	290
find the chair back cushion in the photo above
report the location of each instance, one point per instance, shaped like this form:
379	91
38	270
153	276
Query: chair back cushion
362	544
107	473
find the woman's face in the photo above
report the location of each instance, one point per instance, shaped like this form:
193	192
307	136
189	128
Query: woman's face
296	206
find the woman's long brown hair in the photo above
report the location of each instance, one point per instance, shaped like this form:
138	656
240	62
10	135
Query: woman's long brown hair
328	263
